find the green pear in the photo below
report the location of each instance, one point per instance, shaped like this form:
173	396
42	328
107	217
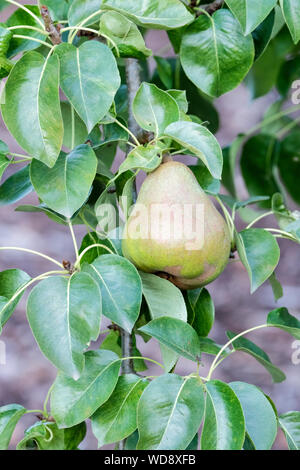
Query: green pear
175	231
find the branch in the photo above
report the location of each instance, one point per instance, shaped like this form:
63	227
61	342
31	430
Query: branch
212	7
54	32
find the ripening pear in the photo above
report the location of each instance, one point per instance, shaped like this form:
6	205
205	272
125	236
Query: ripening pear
174	229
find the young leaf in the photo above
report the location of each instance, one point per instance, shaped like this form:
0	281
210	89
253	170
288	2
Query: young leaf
224	422
116	419
290	424
17	186
9	416
170	412
31	110
121	288
47	436
280	318
260	419
176	335
203	309
291	13
259	253
247	346
250	13
64	315
215	54
88	84
74	401
200	142
144	158
81	9
66	186
11	281
154	14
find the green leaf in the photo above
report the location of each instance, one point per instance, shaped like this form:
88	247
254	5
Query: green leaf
165	72
276	287
74	401
260	419
291	13
176	335
144	158
89	86
250	13
154	14
180	98
262	34
58	8
42	208
31	110
215	54
19	18
11	281
259	253
15	187
64	315
80	131
170	412
224	423
81	9
290	424
207	182
209	346
125	34
9	416
247	346
92	238
289	164
280	318
154	109
117	418
203	309
66	186
46	436
4	162
121	289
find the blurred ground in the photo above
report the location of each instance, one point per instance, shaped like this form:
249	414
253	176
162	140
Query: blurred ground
27	375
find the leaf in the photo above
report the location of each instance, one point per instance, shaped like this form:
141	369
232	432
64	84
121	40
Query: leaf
165	72
66	186
74	401
170	412
47	436
19	18
121	289
290	424
9	416
176	335
31	110
203	309
276	287
251	13
247	346
289	164
215	54
4	162
224	423
209	346
42	208
117	418
17	186
58	8
200	141
80	131
259	253
89	86
144	158
291	13
260	419
262	34
280	318
209	184
64	315
81	10
124	34
154	109
11	281
92	238
180	98
154	14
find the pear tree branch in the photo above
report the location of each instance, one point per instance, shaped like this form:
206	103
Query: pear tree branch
54	31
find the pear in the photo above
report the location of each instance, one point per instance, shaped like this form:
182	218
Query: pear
175	231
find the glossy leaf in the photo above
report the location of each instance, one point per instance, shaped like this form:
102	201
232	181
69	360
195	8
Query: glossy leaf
81	10
117	418
47	436
247	346
250	13
17	186
260	419
207	182
180	98
19	18
154	14
4	162
215	54
31	110
200	142
291	13
80	131
121	288
289	164
280	318
11	281
154	109
170	412
176	335
74	401
259	253
224	423
92	238
290	424
9	417
64	315
144	158
204	311
66	186
89	86
58	8
262	34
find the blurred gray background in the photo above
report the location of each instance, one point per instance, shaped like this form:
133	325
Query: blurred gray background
27	375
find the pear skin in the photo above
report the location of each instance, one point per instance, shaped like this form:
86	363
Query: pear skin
175	231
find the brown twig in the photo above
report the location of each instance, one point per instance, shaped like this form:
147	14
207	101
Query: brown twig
211	7
54	31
